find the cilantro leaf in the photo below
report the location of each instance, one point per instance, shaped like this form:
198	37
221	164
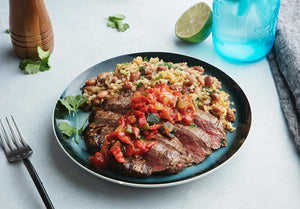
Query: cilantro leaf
116	17
72	103
192	125
122	26
7	31
44	65
116	21
66	129
153	119
31	67
43	54
112	24
125	27
24	62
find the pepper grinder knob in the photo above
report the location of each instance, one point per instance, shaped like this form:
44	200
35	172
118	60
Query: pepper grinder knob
30	26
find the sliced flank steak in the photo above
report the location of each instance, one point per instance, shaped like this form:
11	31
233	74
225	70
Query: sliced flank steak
118	104
195	141
101	123
135	167
167	156
213	127
191	145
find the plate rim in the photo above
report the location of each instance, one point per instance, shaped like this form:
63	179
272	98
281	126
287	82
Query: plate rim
148	185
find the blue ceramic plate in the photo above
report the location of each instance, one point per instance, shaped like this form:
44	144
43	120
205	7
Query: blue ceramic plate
78	152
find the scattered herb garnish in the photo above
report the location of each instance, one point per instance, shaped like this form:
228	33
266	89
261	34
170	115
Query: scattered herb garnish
200	105
222	141
142	69
208	90
116	21
172	133
72	103
158	77
109	79
7	31
31	67
216	91
153	119
139	84
146	59
193	125
169	65
140	137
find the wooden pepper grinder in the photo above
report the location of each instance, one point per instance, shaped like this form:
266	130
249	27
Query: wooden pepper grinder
30	26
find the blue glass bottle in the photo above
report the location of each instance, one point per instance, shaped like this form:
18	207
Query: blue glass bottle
244	30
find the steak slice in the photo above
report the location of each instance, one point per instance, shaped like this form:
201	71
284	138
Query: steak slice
135	167
119	104
167	156
196	142
213	127
101	123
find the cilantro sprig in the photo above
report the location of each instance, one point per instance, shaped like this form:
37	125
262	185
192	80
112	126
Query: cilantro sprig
116	21
31	67
72	103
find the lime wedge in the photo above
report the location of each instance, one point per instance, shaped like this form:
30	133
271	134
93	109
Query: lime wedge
195	24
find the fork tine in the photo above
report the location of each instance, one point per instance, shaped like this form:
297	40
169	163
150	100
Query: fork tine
22	138
18	149
4	143
16	139
9	140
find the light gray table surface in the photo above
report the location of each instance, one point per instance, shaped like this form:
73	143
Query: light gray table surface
265	173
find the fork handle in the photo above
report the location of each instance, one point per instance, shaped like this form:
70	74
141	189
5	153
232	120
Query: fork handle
38	183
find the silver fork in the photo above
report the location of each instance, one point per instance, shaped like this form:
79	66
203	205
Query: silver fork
16	148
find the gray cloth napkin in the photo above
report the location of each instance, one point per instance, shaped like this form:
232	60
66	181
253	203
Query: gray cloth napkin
284	60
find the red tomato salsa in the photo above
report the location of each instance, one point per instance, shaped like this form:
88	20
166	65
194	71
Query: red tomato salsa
152	111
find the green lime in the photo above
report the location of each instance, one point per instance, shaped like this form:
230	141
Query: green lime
195	24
